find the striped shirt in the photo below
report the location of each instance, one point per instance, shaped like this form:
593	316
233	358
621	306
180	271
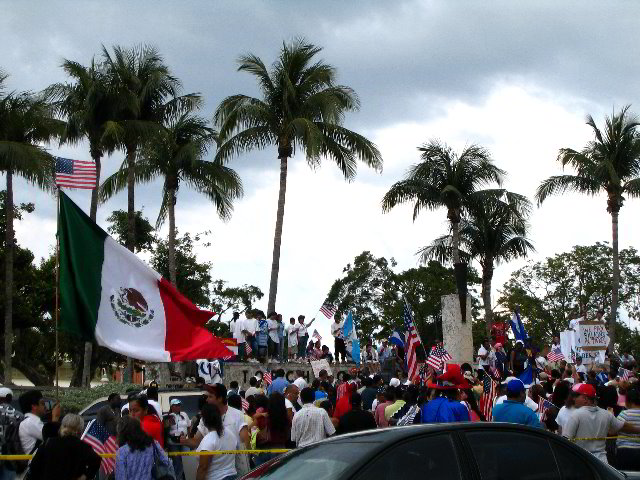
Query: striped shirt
632	416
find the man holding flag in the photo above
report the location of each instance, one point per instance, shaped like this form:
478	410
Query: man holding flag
337	331
351	339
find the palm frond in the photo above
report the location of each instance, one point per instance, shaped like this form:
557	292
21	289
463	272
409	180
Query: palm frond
563	183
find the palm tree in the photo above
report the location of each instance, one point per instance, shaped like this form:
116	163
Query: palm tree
301	107
26	121
493	231
177	155
610	163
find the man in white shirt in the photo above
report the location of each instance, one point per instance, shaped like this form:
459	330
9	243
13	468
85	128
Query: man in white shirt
486	356
292	338
303	335
300	382
249	329
30	430
338	335
555	346
370	355
237	325
180	420
311	424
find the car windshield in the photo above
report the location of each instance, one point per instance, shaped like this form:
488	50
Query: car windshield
323	461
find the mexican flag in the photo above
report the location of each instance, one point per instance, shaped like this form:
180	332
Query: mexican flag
110	295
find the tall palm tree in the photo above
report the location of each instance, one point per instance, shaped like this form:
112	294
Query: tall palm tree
445	179
26	121
494	230
177	155
609	163
301	107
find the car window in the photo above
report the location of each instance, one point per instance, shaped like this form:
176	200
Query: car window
503	455
189	403
429	457
323	461
93	409
571	464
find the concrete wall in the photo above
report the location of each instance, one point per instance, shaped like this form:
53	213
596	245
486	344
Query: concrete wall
457	336
242	372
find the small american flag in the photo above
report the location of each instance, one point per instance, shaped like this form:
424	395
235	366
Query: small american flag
438	357
555	356
76	173
489	393
97	436
543	406
328	310
316	335
412	342
267	378
624	374
245	405
247	348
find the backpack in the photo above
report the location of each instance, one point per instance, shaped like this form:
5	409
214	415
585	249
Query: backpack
13	446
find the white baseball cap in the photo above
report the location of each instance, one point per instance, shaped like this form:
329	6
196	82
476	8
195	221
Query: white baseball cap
394	382
175	401
4	392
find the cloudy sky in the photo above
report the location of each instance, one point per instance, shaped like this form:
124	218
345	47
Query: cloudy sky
516	77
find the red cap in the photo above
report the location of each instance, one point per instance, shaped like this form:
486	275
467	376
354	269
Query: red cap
584	389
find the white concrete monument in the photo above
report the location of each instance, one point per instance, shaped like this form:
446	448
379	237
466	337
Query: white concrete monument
457	336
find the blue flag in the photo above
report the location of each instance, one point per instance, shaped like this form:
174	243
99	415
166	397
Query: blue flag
527	376
396	339
518	328
350	335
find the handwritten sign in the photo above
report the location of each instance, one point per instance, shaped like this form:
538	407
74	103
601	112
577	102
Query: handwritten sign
592	336
318	365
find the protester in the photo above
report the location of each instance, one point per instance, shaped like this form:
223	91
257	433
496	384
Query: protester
8	415
513	410
249	329
32	428
340	348
237	327
486	357
292	339
446	406
310	424
591	422
468	399
300	382
291	394
138	452
178	426
110	413
385	351
303	336
282	353
326	354
518	359
279	382
152	398
276	431
389	398
501	358
356	419
344	404
253	388
563	403
65	457
369	392
369	355
218	437
234	388
628	448
262	337
274	339
390	410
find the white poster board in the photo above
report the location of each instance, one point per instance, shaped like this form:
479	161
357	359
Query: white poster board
318	365
209	371
590	341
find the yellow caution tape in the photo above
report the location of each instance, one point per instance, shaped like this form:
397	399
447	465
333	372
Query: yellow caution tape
171	454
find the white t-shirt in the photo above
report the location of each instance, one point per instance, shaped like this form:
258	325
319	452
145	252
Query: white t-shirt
300	383
573	324
489	361
180	424
288	404
221	466
250	325
581	369
30	431
592	422
527	401
564	414
336	329
232	419
237	328
272	325
292	332
302	329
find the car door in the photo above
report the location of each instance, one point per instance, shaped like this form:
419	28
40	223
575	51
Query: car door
425	457
511	455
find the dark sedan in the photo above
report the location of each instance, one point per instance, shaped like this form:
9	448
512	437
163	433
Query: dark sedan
477	451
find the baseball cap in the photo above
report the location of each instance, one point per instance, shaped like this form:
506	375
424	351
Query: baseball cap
515	386
508	379
4	391
175	401
394	382
584	389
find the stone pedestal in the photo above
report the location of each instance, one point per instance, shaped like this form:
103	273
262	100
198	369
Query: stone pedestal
457	336
241	372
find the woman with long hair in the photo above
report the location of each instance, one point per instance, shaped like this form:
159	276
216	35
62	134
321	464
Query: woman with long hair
138	452
142	410
216	467
468	399
275	428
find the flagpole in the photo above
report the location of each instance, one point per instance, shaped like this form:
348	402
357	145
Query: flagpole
57	313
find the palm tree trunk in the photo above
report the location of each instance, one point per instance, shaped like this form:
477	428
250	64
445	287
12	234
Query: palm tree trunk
487	277
93	211
615	281
172	236
455	236
8	265
277	238
131	227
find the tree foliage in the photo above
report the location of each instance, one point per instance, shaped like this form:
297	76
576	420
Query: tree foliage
145	236
553	291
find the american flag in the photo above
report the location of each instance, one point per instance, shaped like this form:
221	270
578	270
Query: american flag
316	335
555	356
267	378
97	436
624	374
489	392
412	342
247	348
76	173
245	405
328	310
543	407
426	375
438	357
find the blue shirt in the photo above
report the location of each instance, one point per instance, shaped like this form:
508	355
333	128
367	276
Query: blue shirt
138	463
278	385
511	411
443	410
262	335
281	331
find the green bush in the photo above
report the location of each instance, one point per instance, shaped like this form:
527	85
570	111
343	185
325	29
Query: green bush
73	400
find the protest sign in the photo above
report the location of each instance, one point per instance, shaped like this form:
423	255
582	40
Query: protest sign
590	341
318	365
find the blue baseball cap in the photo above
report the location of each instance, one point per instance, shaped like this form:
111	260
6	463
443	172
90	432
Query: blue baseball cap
515	387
